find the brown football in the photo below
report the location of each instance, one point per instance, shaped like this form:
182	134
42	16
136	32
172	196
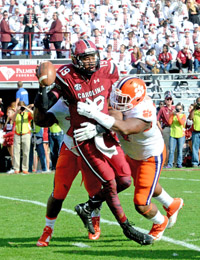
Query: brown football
46	73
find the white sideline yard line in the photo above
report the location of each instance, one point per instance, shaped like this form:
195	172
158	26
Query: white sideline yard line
179	179
167	239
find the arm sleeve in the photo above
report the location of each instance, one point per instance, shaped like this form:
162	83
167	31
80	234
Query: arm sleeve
45	100
5	28
159	57
159	114
18	94
170	119
24	20
1	113
57	27
181	120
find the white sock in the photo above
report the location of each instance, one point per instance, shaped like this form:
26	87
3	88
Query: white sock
158	218
50	222
164	198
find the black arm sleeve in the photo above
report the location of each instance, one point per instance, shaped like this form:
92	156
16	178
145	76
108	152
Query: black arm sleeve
100	129
44	99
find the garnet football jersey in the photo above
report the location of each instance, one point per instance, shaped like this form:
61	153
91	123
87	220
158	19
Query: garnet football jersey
75	87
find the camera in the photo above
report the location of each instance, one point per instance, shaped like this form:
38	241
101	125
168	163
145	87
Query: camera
198	106
178	110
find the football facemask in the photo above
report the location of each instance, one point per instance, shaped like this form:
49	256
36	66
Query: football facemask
85	56
128	93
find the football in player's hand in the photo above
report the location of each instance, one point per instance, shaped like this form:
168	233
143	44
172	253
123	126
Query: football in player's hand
46	73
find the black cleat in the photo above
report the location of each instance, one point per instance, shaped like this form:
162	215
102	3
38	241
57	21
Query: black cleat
85	216
135	235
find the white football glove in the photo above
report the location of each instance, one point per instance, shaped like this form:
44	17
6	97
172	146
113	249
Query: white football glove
90	110
87	131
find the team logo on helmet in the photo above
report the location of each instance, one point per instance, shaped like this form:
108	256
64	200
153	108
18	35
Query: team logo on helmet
139	90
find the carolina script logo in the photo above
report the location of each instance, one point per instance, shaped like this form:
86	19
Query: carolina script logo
7	72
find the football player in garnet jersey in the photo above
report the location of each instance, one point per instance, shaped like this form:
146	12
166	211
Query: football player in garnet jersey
143	144
87	77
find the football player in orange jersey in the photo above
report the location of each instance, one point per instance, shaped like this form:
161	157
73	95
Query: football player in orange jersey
134	117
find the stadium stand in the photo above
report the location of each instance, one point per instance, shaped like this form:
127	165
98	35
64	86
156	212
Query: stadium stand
113	25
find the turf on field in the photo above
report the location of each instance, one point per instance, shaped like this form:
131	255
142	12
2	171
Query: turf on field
22	211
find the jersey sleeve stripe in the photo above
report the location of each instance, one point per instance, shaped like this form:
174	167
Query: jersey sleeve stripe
60	79
112	67
87	44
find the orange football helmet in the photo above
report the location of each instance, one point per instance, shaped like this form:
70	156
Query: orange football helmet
129	92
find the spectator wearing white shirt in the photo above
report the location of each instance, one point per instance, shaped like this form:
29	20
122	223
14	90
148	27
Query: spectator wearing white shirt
187	40
151	59
46	15
173	49
109	53
97	38
100	48
122	59
75	35
125	15
114	41
166	9
59	8
153	32
145	42
10	8
131	39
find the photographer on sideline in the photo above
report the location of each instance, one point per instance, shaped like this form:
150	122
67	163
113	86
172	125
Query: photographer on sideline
22	117
177	121
195	117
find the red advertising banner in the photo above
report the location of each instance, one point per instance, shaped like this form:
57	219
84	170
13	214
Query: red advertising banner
15	73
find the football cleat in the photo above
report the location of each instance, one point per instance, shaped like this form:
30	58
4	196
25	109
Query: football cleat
85	216
45	238
96	225
157	230
173	210
135	235
25	172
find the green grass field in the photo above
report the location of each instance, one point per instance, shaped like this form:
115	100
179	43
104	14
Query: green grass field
22	219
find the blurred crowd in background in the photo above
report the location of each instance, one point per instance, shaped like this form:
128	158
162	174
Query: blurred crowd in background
134	33
30	148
